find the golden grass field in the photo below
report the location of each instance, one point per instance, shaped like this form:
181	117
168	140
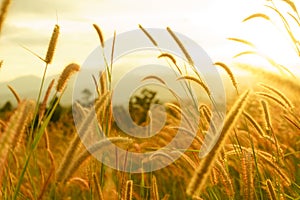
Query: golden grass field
257	155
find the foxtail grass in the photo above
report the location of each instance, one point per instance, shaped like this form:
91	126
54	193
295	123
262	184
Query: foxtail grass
148	35
255	124
65	76
247	175
273	98
181	46
100	35
280	94
169	56
15	130
197	183
52	45
84	127
97	147
230	74
225	178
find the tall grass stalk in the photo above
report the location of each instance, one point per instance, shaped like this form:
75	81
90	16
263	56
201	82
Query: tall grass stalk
200	176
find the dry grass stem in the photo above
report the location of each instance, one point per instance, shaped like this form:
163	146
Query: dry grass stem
201	83
98	187
45	100
16	95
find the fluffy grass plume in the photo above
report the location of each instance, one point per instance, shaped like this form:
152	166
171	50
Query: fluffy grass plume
15	130
181	46
273	98
99	32
52	45
230	74
254	124
247	175
45	100
148	35
257	15
201	174
66	74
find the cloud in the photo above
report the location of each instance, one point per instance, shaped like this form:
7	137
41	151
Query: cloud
22	8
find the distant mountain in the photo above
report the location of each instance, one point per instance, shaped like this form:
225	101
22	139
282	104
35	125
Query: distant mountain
28	87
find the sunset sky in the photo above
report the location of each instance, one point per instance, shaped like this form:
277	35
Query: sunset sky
209	22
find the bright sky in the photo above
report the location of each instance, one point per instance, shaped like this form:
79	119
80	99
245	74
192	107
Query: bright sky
208	22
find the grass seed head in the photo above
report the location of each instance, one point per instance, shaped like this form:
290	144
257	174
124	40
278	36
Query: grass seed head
52	45
65	76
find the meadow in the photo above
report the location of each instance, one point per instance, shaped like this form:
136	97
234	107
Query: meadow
256	156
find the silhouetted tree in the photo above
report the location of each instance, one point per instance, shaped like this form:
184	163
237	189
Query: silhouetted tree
139	105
